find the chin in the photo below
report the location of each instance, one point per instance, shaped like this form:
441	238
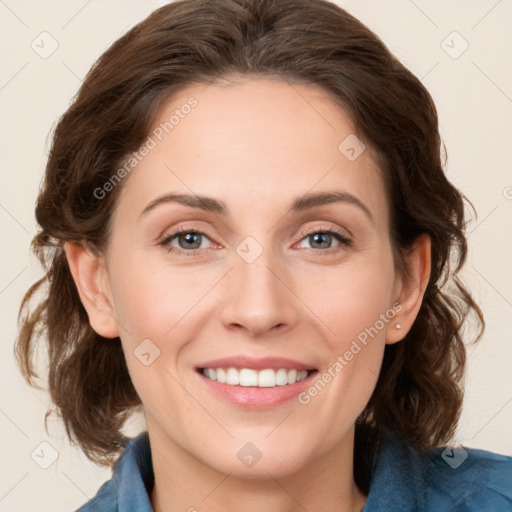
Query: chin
253	460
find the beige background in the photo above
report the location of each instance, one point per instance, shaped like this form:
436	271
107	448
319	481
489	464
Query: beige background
473	93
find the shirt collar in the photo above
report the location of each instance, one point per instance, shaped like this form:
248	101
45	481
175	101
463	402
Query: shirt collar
134	476
397	477
395	484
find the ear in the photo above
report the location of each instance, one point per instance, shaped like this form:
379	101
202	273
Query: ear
91	279
410	289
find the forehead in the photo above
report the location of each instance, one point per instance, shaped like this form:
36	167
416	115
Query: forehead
254	144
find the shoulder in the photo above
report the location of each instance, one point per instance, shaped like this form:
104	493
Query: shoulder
132	480
105	500
465	479
444	479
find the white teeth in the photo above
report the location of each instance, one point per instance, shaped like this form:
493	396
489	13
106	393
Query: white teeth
221	375
232	377
267	378
292	376
248	377
281	377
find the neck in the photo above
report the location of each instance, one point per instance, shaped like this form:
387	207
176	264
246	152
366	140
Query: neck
183	483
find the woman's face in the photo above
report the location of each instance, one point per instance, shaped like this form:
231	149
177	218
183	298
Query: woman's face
275	271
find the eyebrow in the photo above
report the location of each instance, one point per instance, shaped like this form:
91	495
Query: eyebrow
299	204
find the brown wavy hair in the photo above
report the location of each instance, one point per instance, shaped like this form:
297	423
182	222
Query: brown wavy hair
419	392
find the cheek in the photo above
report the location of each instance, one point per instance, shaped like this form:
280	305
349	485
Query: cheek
354	304
161	311
155	307
350	299
151	300
357	314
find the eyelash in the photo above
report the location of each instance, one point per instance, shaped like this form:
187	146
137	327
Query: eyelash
344	241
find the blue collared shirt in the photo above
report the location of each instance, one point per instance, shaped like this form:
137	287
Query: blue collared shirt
444	480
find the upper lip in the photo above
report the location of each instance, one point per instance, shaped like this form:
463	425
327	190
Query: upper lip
263	363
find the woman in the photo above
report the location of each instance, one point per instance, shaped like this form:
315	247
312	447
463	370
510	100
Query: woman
247	231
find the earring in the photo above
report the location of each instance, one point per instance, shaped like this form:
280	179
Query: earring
398	326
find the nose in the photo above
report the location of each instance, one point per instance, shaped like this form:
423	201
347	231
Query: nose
260	299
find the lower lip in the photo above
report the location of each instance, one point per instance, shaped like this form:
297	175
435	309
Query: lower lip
253	397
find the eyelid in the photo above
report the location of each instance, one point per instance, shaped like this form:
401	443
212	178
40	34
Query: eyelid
167	237
345	241
324	228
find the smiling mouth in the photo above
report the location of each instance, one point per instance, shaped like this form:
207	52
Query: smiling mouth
246	377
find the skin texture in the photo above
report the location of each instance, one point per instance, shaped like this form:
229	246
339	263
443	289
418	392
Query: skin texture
256	145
